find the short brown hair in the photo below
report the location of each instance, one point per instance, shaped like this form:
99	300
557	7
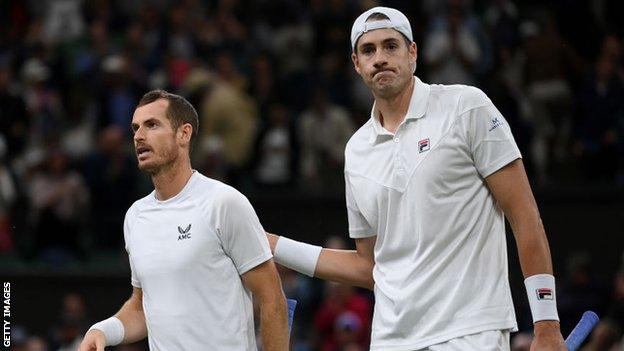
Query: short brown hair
378	16
179	111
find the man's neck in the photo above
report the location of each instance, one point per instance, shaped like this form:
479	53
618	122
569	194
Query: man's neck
169	182
392	111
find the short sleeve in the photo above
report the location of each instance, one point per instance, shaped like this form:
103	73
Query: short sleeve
358	225
241	234
489	138
134	280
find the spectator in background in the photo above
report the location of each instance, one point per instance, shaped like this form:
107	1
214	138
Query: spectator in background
8	196
579	291
275	162
69	334
36	343
110	173
14	117
601	109
227	71
263	86
42	101
324	129
605	337
230	116
179	45
452	49
72	323
548	61
59	199
348	331
118	94
62	20
334	327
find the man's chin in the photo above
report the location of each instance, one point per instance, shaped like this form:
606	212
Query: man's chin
148	167
385	90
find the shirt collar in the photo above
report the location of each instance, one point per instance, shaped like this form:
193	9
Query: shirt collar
417	109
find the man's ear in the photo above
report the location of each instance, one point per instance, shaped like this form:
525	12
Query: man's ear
185	133
413	53
356	62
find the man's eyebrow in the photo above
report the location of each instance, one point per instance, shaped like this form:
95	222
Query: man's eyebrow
389	40
151	119
385	41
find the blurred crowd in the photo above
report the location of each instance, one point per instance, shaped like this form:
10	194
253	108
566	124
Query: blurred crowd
277	96
278	99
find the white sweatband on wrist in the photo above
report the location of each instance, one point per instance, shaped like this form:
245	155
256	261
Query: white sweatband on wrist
542	299
113	330
297	256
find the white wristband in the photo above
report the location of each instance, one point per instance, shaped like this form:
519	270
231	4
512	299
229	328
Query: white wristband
542	299
113	330
296	255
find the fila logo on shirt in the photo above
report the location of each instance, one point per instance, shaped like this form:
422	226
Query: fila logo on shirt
544	294
184	233
423	145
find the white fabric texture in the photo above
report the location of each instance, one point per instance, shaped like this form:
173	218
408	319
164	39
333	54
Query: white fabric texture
440	254
187	254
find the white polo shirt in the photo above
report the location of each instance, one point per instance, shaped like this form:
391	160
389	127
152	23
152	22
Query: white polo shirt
440	256
187	254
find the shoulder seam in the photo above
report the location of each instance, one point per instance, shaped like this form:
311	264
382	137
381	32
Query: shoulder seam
473	108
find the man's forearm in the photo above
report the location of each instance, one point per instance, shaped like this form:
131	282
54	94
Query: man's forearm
351	267
132	316
274	325
533	248
346	267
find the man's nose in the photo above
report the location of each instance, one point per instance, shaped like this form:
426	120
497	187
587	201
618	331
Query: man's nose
381	59
138	135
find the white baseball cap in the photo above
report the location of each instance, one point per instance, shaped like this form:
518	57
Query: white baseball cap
396	21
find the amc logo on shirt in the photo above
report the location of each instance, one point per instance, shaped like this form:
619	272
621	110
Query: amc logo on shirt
184	233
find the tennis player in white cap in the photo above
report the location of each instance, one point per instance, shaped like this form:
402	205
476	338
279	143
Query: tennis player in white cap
429	180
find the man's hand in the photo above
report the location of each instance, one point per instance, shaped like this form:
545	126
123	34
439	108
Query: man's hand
272	241
548	337
94	340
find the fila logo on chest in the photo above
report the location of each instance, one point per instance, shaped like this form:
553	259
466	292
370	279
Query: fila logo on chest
423	145
184	233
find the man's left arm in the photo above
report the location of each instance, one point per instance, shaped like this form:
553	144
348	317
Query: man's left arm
264	283
511	189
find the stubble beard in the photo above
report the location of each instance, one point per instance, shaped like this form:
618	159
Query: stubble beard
169	157
389	89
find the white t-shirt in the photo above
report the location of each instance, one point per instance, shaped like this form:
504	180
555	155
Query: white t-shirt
440	256
187	254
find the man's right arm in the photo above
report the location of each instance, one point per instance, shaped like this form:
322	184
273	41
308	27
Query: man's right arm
131	316
351	267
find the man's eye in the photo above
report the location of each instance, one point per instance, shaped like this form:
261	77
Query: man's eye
367	51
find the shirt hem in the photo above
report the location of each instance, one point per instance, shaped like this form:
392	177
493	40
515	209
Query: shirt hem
507	325
362	233
265	256
501	162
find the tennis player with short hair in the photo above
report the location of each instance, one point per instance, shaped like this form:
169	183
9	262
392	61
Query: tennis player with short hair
197	251
429	179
